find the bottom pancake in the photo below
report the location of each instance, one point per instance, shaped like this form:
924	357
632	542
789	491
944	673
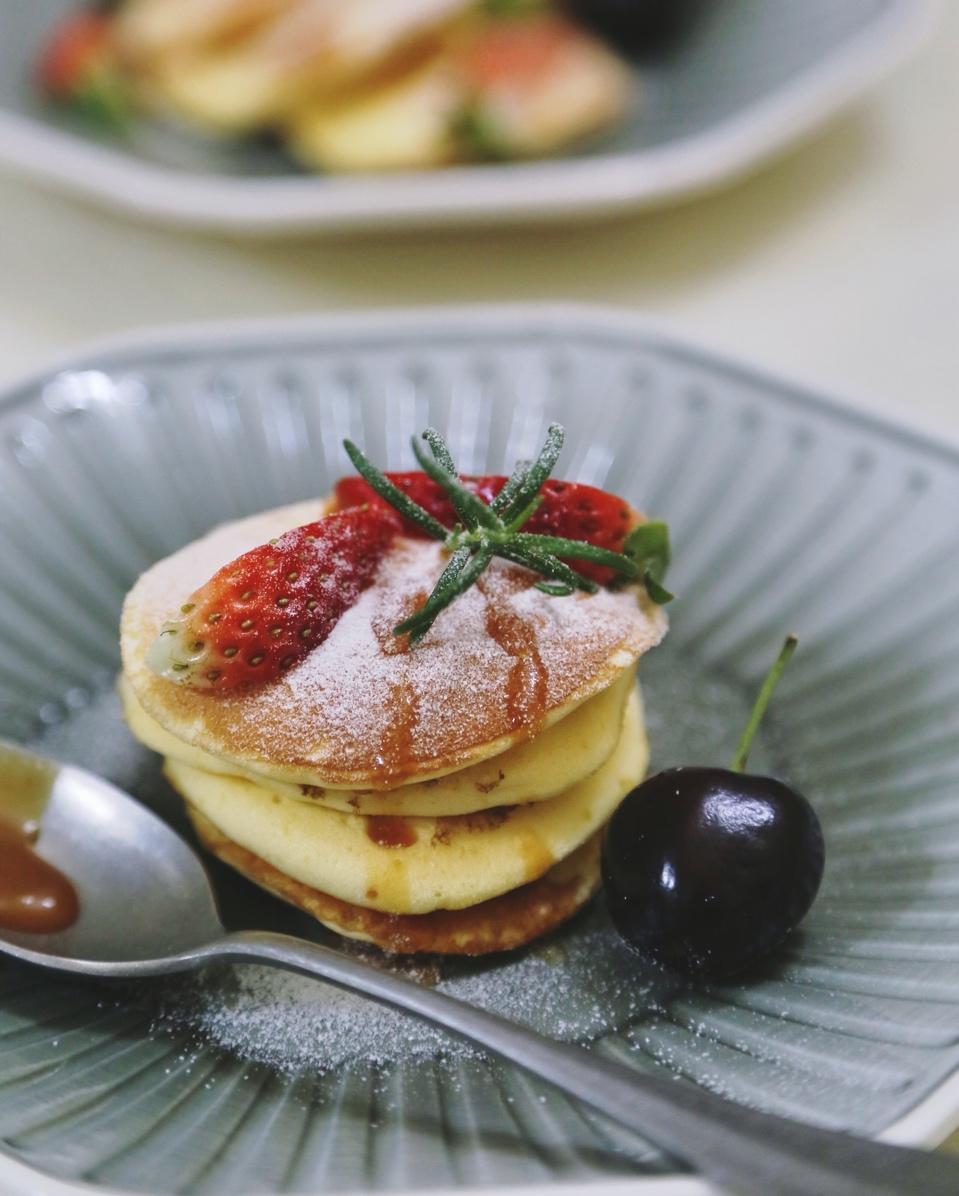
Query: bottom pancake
499	924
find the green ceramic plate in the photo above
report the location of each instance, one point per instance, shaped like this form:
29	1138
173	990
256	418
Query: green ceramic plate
788	511
745	79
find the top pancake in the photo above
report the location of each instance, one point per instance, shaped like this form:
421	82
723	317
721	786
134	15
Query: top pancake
533	771
499	665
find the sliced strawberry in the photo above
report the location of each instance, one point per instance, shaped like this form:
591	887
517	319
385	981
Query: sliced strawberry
263	612
517	52
535	82
581	512
569	509
78	48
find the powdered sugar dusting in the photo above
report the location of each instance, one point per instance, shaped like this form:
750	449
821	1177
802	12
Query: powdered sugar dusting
362	707
575	988
362	672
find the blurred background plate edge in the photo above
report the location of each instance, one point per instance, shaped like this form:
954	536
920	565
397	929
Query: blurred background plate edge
562	189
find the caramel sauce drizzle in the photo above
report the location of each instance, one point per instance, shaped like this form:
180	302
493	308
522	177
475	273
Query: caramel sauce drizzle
35	897
388	830
394	760
525	696
526	682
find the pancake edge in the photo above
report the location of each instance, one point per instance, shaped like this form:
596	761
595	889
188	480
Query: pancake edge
544	904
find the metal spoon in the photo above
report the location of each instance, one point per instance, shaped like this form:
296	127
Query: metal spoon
147	909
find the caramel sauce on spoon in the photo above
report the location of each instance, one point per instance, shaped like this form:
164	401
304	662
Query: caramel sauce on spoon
35	897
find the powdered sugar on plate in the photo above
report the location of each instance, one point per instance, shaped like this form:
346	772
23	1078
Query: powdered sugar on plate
577	987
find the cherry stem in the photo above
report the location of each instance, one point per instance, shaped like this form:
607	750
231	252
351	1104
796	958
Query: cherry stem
762	701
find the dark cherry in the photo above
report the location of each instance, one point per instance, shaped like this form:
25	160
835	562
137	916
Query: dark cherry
708	869
637	25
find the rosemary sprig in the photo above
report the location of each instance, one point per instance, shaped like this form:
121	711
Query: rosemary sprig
419	623
550	566
528	487
492	529
574	548
506	495
469	506
440	449
555	589
393	494
445	461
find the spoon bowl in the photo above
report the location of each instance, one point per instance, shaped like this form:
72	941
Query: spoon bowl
143	893
146	908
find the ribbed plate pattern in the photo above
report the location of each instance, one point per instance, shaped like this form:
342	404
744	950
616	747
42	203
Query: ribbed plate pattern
787	512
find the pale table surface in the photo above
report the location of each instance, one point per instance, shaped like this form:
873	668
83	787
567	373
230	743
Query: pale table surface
838	264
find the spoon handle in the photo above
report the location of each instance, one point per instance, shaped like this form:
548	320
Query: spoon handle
745	1151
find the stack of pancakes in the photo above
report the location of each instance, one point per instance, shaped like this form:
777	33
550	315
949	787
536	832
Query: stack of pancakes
446	798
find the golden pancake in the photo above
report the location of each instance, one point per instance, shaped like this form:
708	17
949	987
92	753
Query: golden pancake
536	770
416	865
146	29
404	121
312	48
500	665
500	924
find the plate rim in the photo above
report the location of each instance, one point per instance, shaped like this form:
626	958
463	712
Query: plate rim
936	1115
562	189
555	318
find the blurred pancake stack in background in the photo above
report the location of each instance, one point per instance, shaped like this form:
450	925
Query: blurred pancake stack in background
364	85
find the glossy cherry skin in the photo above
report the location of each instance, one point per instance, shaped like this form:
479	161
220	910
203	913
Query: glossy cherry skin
707	870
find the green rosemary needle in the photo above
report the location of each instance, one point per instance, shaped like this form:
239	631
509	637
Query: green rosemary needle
393	494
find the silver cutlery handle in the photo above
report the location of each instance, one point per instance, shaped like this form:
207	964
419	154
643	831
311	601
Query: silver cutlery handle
751	1153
